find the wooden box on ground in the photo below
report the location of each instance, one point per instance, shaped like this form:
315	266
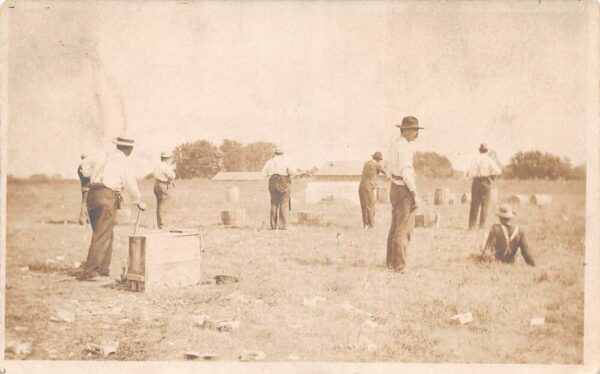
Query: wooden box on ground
233	217
164	260
427	218
309	218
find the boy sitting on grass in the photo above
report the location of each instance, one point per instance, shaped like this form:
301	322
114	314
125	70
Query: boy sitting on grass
505	239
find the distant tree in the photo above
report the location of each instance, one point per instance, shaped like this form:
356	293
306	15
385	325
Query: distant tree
39	178
431	164
233	155
197	159
257	154
578	172
538	165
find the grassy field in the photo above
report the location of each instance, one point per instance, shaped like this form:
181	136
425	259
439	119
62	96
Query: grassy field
337	261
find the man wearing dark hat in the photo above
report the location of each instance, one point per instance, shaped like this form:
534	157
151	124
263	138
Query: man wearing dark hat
505	239
279	173
483	170
164	175
109	174
366	188
85	187
403	193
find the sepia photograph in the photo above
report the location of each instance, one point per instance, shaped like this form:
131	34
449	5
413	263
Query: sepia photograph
377	183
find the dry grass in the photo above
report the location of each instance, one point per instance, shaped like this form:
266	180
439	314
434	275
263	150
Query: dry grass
336	260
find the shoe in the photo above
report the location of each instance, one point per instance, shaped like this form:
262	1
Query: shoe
89	276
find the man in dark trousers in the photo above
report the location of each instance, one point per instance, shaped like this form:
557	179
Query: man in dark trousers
85	187
403	193
366	188
164	175
505	239
279	173
483	170
110	174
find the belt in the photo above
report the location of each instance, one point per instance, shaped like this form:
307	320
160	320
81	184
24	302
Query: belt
277	176
165	182
100	186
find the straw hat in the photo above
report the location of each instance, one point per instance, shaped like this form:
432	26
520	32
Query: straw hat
278	150
125	140
166	154
377	156
505	211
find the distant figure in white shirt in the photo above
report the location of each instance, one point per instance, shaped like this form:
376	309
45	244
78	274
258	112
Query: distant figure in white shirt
109	175
483	170
164	175
279	173
403	193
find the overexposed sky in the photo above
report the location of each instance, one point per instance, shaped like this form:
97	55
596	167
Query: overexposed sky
327	81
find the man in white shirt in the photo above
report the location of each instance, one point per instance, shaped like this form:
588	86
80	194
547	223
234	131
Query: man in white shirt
403	193
163	176
483	170
279	173
109	175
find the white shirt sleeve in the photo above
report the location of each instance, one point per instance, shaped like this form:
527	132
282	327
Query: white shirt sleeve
90	163
171	172
407	171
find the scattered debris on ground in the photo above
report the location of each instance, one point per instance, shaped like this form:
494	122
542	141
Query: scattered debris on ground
353	309
225	279
537	321
252	355
104	348
462	318
312	301
63	316
191	355
19	348
226	326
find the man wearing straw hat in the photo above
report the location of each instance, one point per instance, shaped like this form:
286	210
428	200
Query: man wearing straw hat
366	188
505	239
85	187
109	174
403	193
483	170
163	176
279	173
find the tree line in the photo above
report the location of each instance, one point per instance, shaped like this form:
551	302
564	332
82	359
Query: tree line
203	159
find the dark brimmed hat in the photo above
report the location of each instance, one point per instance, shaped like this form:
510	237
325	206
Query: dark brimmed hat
377	156
409	122
483	147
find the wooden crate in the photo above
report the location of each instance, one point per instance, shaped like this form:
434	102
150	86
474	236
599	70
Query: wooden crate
162	260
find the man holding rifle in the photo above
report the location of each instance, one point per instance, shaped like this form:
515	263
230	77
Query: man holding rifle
110	174
403	193
279	173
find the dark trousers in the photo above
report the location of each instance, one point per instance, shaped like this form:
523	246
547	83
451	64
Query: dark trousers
280	190
101	203
403	222
480	201
161	191
366	193
83	212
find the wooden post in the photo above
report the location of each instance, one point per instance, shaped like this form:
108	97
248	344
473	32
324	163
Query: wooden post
427	218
